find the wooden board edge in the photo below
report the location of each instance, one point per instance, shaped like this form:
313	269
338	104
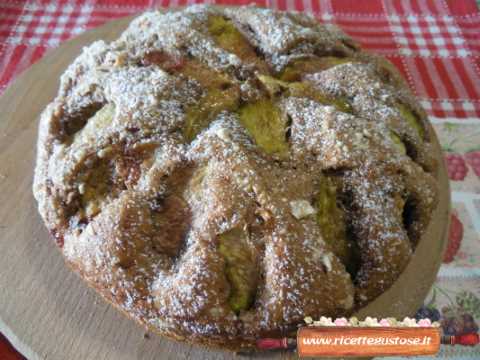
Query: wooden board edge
17	343
24	348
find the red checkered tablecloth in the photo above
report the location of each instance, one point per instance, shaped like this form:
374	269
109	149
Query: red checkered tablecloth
434	43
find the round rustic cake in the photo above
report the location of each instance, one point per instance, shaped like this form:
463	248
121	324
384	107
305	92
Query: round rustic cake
218	174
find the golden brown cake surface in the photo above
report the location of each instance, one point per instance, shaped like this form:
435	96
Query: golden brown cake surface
218	174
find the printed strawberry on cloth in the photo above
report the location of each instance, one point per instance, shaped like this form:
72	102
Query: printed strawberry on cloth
434	43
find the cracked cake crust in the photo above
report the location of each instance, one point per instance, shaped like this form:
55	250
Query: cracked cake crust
218	174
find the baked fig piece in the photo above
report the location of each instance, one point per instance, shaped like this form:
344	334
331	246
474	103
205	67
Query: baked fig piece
295	70
412	119
332	219
240	269
210	105
229	38
218	174
267	126
277	87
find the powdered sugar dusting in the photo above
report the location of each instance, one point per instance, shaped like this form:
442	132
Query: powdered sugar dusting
138	209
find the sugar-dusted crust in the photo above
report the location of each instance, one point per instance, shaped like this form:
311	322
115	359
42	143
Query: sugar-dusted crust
144	180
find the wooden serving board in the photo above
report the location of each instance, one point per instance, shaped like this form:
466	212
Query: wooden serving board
47	312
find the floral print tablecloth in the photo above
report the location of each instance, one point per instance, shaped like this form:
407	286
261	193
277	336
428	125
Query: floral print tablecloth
434	43
455	297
